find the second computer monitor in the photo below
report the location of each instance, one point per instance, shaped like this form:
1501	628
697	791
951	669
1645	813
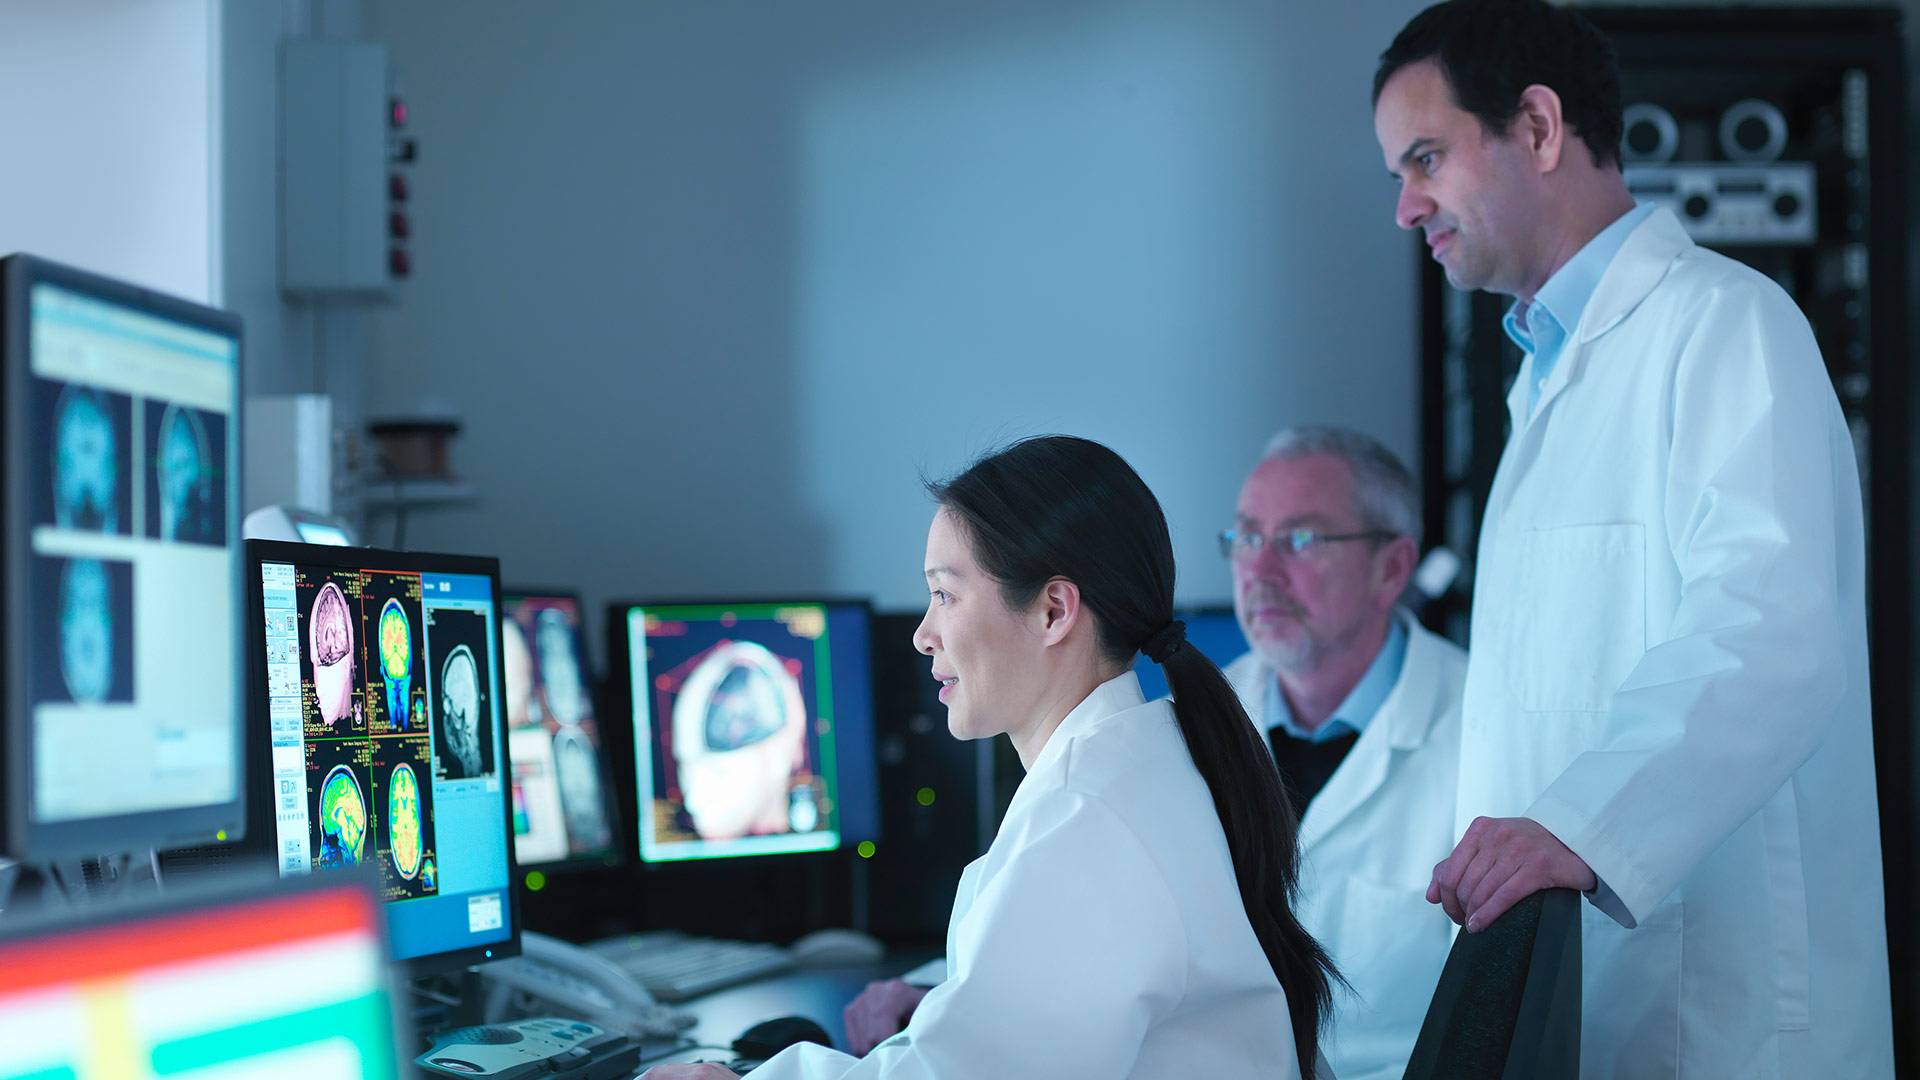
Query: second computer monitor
561	809
381	693
752	727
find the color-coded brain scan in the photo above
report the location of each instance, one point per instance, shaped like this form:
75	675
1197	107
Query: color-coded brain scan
396	662
460	705
330	645
403	821
86	630
86	470
343	819
184	477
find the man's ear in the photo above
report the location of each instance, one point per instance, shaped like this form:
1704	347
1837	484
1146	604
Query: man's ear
1541	127
1398	558
1058	610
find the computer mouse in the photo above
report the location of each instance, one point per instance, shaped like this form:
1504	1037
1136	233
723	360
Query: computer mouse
769	1037
827	948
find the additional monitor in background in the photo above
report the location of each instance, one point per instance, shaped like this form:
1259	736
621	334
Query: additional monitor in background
119	411
748	721
562	808
298	525
291	982
388	738
1214	631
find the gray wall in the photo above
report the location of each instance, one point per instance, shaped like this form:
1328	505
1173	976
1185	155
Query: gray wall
713	283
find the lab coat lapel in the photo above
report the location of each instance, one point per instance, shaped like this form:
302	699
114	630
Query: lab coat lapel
1396	727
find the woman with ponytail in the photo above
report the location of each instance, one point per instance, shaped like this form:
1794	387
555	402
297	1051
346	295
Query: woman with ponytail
1133	917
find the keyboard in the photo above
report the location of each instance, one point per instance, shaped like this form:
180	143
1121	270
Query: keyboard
675	966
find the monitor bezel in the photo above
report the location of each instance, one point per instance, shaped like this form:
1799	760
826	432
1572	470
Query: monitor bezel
21	836
620	697
616	856
360	558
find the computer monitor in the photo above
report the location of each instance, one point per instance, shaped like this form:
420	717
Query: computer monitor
290	981
1214	631
562	806
120	572
752	727
381	698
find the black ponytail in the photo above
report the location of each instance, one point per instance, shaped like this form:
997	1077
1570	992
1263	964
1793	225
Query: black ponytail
1058	506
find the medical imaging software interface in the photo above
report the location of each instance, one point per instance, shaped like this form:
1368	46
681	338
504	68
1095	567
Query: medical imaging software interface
734	737
383	704
560	807
132	656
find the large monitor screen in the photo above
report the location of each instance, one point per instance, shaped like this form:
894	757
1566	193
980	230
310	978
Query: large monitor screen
561	809
752	727
121	574
384	707
287	983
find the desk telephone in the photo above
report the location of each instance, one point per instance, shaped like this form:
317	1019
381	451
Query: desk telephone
551	977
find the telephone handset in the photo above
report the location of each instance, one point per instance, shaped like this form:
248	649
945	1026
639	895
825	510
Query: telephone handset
552	977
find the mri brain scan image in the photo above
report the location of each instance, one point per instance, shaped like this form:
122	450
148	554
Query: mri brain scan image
739	729
396	662
86	630
559	668
404	821
86	469
184	477
343	819
460	706
330	646
579	779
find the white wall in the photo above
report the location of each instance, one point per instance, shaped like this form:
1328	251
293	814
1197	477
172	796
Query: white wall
713	283
110	138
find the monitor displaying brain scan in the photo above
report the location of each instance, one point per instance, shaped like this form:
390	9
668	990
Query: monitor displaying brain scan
386	734
560	788
735	736
124	662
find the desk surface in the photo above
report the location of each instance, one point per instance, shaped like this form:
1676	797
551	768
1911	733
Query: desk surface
817	993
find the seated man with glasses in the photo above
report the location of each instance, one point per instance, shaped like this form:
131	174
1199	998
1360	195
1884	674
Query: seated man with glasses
1362	708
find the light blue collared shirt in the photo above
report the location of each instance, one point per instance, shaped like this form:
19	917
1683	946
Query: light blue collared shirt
1555	311
1361	703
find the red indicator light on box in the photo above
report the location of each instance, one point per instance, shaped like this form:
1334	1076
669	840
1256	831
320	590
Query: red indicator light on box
397	188
398	112
399	263
398	226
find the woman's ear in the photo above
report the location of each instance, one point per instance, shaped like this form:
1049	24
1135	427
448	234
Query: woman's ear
1058	610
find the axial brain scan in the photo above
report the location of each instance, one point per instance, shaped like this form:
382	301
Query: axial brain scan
183	468
330	645
403	820
86	630
460	706
396	662
86	470
343	819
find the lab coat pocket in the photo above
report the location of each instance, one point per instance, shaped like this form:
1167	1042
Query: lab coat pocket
1588	582
1787	909
1637	972
1390	944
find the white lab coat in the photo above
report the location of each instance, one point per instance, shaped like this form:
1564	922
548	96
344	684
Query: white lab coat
1369	842
1669	672
1101	935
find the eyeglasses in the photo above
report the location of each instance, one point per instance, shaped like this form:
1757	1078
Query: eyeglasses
1246	544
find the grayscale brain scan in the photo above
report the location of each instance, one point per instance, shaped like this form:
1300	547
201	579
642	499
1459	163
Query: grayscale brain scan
559	669
183	471
330	646
460	706
86	469
86	630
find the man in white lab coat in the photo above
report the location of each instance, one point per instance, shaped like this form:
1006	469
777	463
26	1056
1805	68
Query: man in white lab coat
1361	706
1666	705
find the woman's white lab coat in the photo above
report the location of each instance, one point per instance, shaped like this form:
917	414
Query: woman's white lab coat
1102	934
1669	672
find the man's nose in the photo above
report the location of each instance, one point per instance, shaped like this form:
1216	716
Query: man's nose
1413	208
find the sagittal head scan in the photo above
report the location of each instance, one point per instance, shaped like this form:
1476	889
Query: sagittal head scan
403	821
183	474
343	819
559	670
396	662
739	726
330	646
86	463
86	630
460	706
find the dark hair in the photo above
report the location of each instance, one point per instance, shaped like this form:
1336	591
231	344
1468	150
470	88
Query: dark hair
1491	50
1058	506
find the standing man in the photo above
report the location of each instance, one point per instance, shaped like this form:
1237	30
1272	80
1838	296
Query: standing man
1362	708
1666	706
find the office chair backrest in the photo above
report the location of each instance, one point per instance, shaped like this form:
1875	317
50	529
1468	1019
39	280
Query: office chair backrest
1508	1002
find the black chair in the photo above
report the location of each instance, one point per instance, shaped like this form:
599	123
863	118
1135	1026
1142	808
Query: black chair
1508	1002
